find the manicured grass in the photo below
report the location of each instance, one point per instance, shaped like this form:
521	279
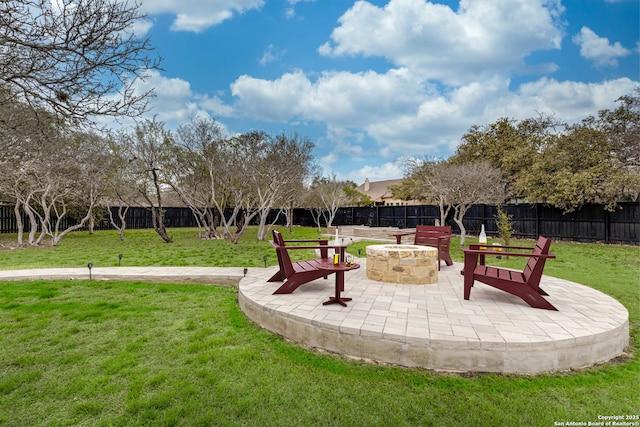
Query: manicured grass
144	247
126	353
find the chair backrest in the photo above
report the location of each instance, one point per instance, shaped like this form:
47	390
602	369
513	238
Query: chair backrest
427	234
284	261
533	271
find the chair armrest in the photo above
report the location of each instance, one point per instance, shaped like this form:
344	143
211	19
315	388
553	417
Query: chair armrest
307	241
435	234
496	252
403	234
477	246
284	248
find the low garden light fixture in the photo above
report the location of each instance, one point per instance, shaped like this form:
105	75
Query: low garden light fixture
90	266
119	259
245	271
264	258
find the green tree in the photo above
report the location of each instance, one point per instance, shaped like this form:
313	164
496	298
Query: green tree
510	146
596	160
357	198
504	223
593	161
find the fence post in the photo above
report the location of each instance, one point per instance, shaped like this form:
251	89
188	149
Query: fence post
484	214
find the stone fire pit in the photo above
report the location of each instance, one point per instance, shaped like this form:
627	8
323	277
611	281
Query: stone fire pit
404	264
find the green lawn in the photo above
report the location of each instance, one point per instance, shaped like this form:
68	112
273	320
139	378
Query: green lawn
126	353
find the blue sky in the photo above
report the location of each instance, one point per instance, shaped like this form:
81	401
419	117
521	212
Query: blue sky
374	82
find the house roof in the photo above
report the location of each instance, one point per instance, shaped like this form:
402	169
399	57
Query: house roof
378	189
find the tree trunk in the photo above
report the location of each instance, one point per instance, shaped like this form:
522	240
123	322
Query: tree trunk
19	223
158	224
33	224
458	215
122	212
290	218
463	231
316	213
157	217
92	224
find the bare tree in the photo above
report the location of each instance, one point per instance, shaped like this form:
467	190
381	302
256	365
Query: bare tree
121	224
53	176
233	181
312	201
424	179
244	163
146	152
69	188
195	168
77	58
469	184
327	195
211	173
120	192
279	174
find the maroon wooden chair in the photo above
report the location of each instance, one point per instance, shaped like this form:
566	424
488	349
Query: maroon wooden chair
525	284
298	273
437	236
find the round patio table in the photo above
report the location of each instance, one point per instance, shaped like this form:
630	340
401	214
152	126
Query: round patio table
339	269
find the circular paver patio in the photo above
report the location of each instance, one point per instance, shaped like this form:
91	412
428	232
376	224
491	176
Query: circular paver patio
433	327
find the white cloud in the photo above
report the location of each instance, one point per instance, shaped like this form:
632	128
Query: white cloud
599	49
277	100
271	54
290	12
198	15
141	26
328	159
216	106
572	101
480	39
389	170
172	103
406	117
175	103
350	99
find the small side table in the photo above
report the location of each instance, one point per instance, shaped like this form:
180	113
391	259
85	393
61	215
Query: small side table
339	286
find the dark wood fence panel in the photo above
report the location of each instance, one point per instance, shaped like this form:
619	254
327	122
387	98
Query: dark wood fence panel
589	224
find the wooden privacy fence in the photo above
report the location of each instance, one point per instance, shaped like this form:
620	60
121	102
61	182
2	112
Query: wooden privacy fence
589	224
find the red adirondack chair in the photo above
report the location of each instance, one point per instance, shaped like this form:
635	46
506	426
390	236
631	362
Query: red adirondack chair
525	284
298	273
438	236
